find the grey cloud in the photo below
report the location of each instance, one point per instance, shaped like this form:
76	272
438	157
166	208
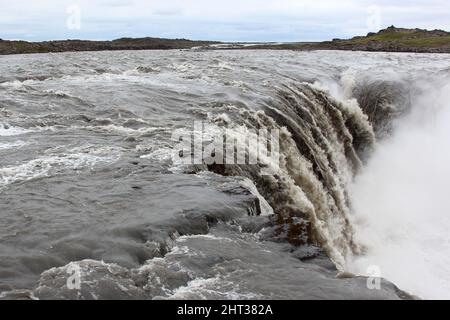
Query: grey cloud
241	20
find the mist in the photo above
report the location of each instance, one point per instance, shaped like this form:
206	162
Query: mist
401	203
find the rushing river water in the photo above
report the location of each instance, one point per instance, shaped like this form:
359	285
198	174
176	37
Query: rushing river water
88	186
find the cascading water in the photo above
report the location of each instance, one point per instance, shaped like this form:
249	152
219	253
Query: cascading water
320	147
387	202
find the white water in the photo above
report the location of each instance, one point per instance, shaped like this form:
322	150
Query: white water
402	201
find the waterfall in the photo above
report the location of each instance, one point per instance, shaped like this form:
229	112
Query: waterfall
322	144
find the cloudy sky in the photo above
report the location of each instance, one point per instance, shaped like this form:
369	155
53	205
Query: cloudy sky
230	20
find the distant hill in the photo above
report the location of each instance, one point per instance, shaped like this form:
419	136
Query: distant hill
396	39
391	39
18	47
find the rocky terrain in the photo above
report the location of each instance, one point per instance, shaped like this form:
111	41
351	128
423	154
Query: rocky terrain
391	39
395	39
19	47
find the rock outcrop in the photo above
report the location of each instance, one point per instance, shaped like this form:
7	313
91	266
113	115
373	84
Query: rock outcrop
19	47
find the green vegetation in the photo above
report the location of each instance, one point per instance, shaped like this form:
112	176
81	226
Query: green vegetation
391	39
394	36
397	39
418	38
429	42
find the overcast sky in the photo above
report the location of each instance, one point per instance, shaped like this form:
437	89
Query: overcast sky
230	20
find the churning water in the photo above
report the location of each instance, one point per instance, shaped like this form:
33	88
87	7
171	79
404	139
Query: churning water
88	187
401	203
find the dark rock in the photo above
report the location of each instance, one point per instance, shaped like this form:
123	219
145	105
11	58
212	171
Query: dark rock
20	47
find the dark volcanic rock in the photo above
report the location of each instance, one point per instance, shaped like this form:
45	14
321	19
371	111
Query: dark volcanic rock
19	47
